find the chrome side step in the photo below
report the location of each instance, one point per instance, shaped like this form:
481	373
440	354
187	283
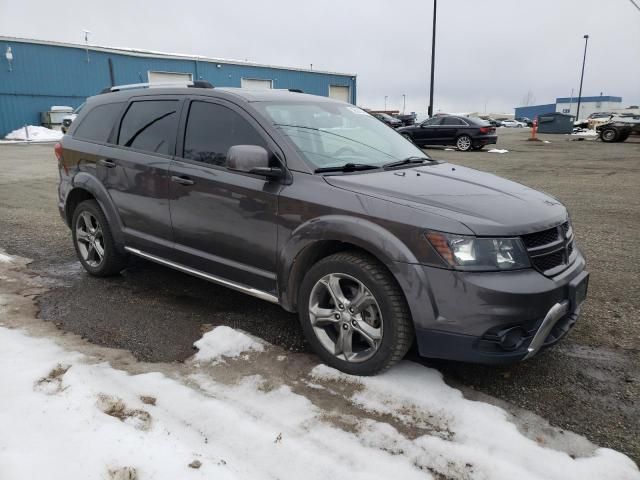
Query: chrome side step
212	278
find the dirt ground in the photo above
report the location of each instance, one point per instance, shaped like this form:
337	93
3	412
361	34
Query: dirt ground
590	383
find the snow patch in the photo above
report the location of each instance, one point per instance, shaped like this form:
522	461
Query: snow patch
36	134
465	439
224	342
4	258
585	133
497	150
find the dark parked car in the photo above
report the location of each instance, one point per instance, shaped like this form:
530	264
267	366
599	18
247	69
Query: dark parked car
313	204
407	119
388	119
466	133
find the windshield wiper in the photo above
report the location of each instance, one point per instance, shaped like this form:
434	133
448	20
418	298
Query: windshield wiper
406	161
347	167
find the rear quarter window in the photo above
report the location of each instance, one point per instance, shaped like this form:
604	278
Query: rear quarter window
99	123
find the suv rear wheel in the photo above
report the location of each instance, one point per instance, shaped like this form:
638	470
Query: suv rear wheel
354	314
93	241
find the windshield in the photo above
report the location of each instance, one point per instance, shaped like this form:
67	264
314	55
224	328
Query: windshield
334	134
77	110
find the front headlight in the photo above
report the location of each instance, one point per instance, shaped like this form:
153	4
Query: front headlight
473	253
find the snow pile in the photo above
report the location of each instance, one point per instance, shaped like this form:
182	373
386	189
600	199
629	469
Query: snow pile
585	133
4	258
497	150
69	417
36	134
469	439
224	342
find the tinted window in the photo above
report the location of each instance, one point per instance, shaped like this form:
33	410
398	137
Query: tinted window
479	121
150	125
212	129
433	121
99	122
452	121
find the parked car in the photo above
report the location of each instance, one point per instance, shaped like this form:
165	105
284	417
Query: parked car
407	120
465	133
388	119
513	124
526	120
67	120
494	123
313	204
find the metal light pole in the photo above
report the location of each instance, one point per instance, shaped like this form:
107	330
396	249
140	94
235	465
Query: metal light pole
385	102
584	58
404	102
433	59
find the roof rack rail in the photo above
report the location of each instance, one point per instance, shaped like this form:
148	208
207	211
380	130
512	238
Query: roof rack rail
295	90
133	86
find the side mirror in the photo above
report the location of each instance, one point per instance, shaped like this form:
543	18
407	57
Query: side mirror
251	159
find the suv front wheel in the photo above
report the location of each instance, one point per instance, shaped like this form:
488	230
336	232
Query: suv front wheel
354	314
93	241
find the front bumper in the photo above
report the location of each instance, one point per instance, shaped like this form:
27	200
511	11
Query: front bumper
493	317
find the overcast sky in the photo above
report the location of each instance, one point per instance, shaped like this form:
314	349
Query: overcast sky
488	52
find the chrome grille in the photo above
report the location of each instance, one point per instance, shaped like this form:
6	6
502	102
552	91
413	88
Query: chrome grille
550	250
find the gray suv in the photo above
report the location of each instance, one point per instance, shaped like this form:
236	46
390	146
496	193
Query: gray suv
317	206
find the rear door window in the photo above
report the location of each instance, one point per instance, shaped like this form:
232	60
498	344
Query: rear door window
212	129
433	122
99	123
452	121
150	125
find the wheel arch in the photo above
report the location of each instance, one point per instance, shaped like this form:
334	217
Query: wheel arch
319	238
87	187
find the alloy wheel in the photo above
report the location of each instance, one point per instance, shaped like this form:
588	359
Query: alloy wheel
463	143
89	238
345	317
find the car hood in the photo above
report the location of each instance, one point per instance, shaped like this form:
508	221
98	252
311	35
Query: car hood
484	203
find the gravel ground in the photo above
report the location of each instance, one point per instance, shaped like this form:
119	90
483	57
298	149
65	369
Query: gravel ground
589	384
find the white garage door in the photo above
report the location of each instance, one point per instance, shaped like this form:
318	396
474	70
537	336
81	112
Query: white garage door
339	92
169	77
256	84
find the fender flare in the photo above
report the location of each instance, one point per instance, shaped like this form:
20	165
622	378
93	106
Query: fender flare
362	233
89	183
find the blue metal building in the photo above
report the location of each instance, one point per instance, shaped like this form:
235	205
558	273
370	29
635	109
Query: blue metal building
35	74
533	111
569	106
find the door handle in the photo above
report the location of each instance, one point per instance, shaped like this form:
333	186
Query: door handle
107	163
182	180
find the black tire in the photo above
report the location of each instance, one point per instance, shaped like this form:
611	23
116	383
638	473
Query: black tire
609	135
464	143
396	329
111	261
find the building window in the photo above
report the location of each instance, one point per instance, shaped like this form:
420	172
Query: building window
256	84
169	77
